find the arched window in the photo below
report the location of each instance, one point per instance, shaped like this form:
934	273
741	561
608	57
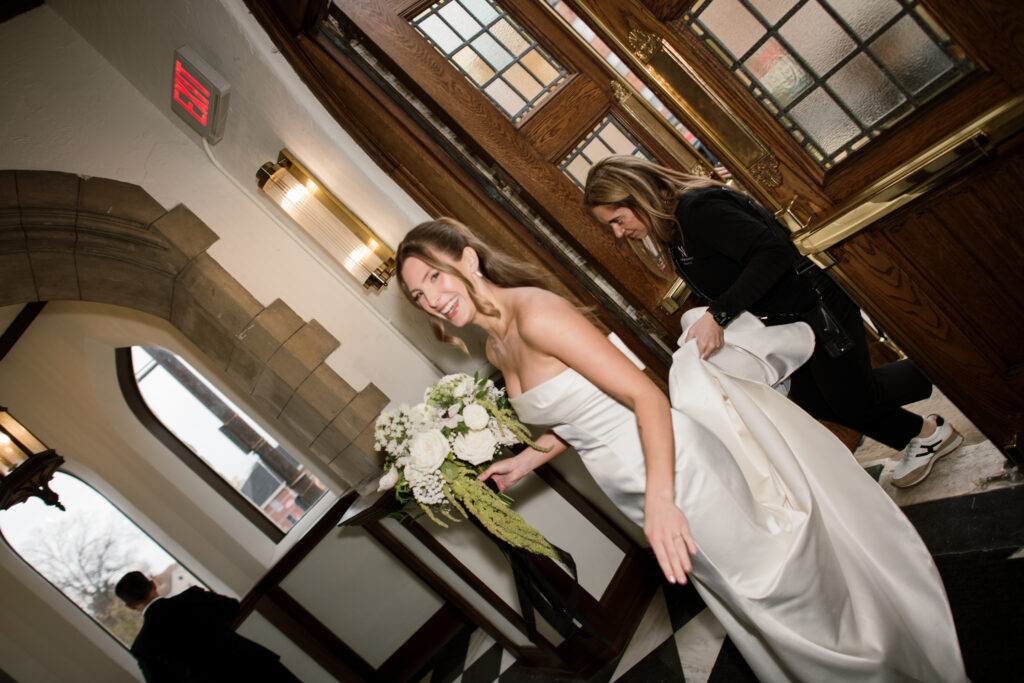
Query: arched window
85	550
218	440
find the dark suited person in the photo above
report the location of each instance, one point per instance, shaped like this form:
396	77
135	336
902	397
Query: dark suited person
187	637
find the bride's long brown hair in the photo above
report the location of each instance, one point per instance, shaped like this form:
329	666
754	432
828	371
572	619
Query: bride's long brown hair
448	237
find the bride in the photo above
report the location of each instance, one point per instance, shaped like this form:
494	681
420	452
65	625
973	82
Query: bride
813	571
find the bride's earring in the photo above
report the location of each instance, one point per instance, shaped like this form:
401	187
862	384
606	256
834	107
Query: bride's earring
478	274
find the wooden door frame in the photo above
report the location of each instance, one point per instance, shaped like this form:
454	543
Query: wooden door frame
969	133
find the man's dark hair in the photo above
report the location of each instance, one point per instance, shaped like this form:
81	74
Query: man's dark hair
133	588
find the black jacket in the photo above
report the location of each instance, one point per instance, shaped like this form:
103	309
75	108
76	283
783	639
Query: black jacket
730	250
187	638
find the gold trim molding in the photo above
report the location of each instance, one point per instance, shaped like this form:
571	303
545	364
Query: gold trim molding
910	180
765	170
620	92
644	45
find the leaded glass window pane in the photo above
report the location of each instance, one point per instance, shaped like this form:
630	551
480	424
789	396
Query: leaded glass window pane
834	73
494	52
587	35
607	138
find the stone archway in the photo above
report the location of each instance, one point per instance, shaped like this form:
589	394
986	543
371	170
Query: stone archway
66	237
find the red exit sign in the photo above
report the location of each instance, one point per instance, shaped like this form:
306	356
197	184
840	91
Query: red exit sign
199	94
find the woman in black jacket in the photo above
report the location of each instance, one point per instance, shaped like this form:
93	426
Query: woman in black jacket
730	251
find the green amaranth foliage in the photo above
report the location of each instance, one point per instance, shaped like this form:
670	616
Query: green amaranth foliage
507	418
498	518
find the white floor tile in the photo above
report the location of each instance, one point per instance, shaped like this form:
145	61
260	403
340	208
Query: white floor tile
507	660
698	643
654	629
479	643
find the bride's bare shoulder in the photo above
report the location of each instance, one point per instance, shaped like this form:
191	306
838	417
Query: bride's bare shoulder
534	301
539	309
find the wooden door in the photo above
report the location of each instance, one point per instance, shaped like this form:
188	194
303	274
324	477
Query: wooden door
539	146
919	216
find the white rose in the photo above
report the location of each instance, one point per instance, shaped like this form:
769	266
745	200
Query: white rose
475	416
389	480
427	450
421	415
476	447
464	388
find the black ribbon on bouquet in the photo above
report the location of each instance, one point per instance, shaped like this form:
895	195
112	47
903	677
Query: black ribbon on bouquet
537	594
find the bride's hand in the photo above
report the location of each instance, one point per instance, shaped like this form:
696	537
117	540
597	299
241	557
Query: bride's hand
669	533
507	472
709	335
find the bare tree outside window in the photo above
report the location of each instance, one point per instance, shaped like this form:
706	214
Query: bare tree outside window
84	551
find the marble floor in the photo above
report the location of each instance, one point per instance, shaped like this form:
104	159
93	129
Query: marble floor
969	514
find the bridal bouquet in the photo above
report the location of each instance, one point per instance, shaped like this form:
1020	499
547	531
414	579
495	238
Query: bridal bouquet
435	450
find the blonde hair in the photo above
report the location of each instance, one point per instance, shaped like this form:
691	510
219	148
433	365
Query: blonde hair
448	237
652	191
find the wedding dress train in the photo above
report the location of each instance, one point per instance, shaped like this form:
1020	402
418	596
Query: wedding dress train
811	568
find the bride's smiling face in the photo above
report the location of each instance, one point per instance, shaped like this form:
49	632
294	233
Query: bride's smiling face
439	293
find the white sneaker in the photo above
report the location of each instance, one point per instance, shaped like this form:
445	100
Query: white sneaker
922	452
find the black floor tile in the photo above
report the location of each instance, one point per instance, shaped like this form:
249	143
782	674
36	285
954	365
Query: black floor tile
486	668
730	667
986	594
980	521
684	603
660	666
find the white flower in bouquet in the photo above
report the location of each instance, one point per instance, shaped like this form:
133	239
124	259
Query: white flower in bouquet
449	419
475	416
427	451
427	487
493	392
421	417
465	387
390	433
388	481
504	435
475	447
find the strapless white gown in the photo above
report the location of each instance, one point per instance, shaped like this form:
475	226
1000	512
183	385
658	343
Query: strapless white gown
811	568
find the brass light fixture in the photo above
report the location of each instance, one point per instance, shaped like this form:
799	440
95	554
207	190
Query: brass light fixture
327	220
26	465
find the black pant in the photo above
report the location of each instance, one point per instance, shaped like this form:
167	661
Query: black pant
848	391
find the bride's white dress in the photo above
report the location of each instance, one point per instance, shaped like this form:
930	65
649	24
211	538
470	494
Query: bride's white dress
811	568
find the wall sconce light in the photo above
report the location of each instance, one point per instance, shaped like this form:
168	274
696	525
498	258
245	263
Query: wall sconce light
327	220
26	465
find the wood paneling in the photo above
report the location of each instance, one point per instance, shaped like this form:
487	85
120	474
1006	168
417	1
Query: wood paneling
666	10
942	274
993	31
480	124
801	176
943	277
541	655
554	127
